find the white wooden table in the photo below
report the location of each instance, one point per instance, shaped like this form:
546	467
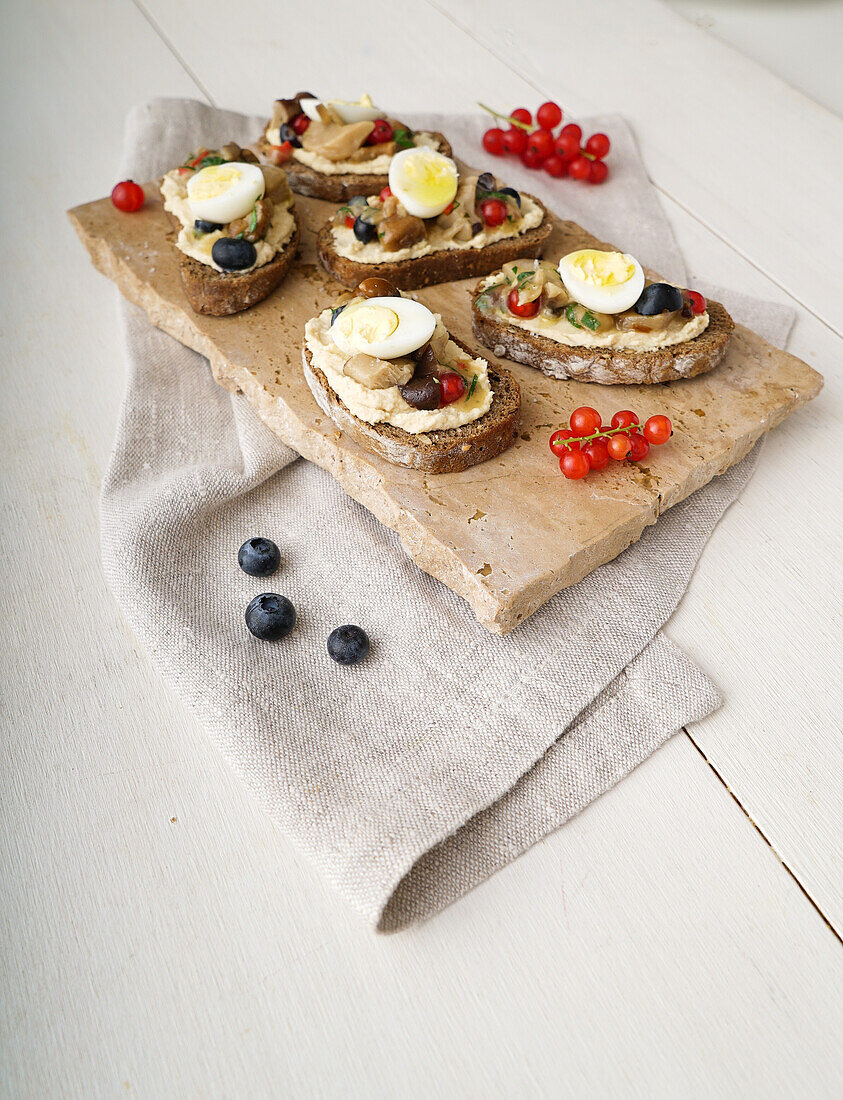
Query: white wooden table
160	937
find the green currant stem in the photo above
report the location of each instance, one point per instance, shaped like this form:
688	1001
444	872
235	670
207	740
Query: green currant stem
507	118
602	434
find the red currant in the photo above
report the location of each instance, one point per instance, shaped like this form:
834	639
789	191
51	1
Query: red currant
574	465
598	145
300	123
572	128
624	419
515	142
532	158
128	196
493	142
580	168
598	454
381	132
522	309
658	429
567	146
555	166
493	211
521	114
385	194
585	420
349	221
558	443
618	446
639	447
698	303
453	387
541	141
598	171
549	115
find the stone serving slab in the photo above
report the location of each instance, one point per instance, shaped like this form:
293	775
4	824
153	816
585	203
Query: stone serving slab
510	533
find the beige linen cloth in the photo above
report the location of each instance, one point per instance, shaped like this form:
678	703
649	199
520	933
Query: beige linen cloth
412	777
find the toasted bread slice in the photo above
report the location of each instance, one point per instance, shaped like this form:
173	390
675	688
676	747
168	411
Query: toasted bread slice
608	366
221	293
305	180
440	452
445	265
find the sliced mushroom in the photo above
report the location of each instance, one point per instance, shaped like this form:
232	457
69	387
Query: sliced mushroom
370	152
426	361
587	320
636	322
379	374
401	232
422	392
378	288
276	185
457	225
335	141
243	227
439	341
283	110
230	151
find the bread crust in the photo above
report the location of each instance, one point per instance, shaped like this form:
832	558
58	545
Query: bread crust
222	293
607	366
305	180
445	451
442	266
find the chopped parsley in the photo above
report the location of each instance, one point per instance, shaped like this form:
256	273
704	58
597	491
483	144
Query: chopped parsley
471	388
587	320
403	139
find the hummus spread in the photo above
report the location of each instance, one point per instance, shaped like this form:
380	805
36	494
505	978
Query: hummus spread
387	406
562	331
198	245
346	244
378	166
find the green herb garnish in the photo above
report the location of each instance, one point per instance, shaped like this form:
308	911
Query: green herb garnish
571	317
403	139
471	388
590	321
253	220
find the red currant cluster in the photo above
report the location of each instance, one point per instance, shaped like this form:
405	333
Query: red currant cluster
539	147
590	444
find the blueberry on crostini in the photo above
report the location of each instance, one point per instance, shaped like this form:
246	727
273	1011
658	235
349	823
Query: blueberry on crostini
348	645
259	557
364	231
233	254
206	227
270	616
287	133
658	298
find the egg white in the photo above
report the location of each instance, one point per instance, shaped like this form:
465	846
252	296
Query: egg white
415	327
348	112
235	201
407	189
603	299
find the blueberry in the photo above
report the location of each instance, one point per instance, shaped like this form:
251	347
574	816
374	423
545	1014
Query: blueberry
658	298
348	645
259	557
233	254
206	227
270	616
364	231
511	191
289	134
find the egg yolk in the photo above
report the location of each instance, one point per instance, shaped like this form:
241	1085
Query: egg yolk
214	180
601	268
430	179
366	325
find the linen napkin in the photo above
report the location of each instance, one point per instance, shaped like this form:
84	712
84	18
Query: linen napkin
411	777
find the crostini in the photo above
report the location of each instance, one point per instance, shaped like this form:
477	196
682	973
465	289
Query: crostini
432	224
387	372
597	317
236	228
333	149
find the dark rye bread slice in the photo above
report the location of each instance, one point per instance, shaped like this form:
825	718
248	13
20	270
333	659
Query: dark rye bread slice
446	451
221	293
608	366
305	180
445	265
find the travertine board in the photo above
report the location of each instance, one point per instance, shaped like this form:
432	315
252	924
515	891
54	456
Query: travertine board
507	534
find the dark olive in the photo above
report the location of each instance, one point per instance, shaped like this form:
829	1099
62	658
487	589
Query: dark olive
476	227
378	288
336	312
511	191
287	133
426	362
233	254
422	393
486	182
658	298
206	227
364	231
